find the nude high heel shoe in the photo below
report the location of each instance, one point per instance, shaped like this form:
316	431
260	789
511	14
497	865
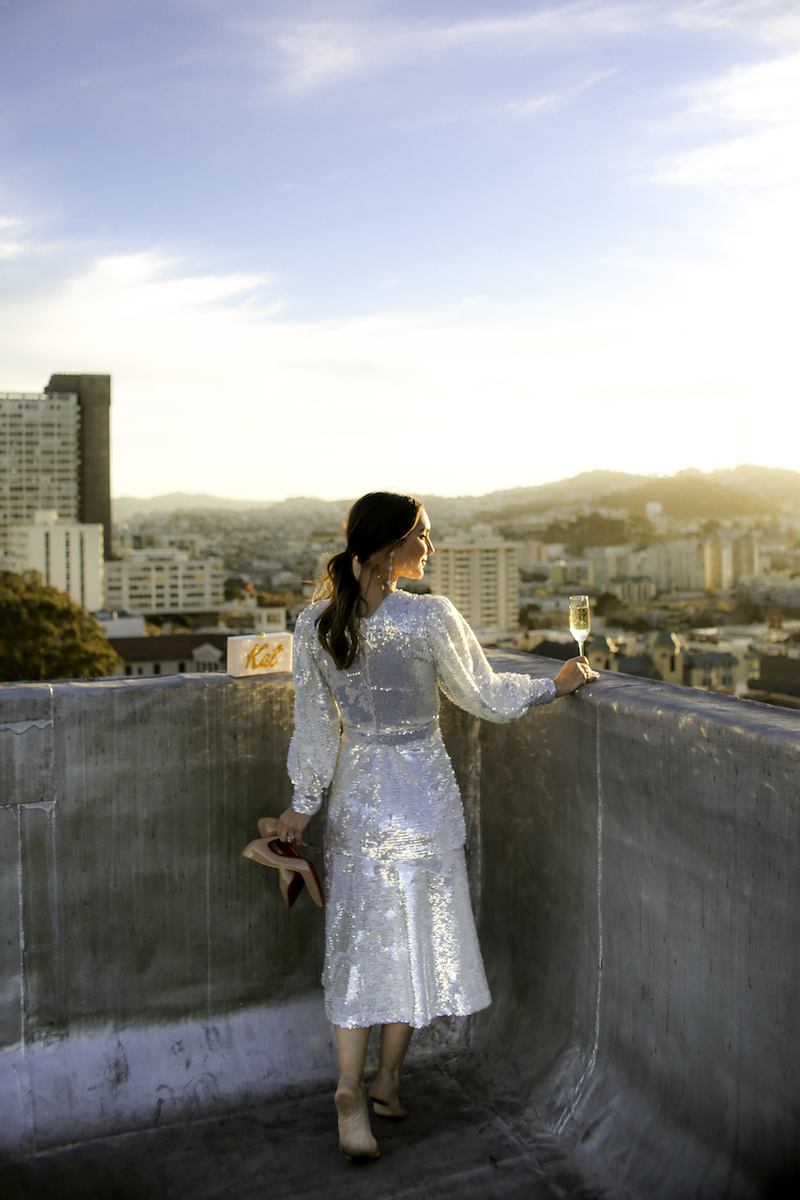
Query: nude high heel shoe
293	869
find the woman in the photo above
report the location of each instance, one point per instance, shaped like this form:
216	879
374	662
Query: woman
401	946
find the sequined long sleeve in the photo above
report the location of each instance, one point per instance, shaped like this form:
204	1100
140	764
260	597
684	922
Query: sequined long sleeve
467	678
315	744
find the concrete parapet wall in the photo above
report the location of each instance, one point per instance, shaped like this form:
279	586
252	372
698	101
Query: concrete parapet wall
125	807
124	899
634	863
641	898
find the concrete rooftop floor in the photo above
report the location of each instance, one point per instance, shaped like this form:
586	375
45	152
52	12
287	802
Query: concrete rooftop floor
451	1145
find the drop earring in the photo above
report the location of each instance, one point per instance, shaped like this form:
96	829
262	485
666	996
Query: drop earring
391	567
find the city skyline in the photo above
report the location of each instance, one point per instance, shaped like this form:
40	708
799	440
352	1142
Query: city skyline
446	249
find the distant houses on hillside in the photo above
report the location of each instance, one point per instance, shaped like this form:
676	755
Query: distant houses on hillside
662	655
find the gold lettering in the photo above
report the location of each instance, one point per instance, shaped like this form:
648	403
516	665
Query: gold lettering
263	655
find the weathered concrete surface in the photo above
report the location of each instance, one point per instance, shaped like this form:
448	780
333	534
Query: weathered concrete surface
633	860
641	851
452	1146
130	810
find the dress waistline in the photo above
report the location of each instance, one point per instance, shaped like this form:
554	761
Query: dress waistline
354	733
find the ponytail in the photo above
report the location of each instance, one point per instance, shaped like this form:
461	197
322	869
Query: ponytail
377	521
338	623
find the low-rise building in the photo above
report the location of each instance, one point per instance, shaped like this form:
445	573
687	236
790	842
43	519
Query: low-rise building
569	572
642	665
602	653
164	581
121	624
532	639
668	655
712	671
247	616
632	589
172	654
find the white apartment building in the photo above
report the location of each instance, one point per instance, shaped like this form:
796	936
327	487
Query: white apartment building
482	580
67	555
39	457
673	566
728	557
530	554
164	581
605	562
678	565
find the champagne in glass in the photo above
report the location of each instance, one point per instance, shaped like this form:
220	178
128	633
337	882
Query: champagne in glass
580	619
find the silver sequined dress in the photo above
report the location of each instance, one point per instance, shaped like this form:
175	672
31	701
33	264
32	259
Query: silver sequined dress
400	936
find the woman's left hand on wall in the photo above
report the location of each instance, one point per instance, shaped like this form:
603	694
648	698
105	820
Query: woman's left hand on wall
574	673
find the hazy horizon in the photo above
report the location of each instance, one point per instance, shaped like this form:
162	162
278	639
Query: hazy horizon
631	479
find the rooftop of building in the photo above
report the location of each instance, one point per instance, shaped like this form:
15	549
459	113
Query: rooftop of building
163	647
665	639
634	866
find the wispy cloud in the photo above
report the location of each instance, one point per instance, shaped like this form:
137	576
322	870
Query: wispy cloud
17	238
313	55
766	92
749	121
550	101
11	245
310	55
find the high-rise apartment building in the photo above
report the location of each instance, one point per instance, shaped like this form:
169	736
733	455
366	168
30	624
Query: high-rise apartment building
55	454
39	456
482	580
94	456
67	555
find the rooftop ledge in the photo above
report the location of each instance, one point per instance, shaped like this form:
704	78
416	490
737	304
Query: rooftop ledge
633	855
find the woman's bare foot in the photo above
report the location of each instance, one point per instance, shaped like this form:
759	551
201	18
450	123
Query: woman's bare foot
355	1135
385	1097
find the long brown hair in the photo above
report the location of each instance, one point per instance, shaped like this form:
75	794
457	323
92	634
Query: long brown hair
378	521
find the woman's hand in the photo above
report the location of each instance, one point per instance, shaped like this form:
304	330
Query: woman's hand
574	673
291	825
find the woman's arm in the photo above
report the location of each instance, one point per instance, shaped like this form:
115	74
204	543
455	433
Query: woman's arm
469	681
315	744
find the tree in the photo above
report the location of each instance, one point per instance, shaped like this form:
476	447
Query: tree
45	635
607	604
746	611
594	529
235	588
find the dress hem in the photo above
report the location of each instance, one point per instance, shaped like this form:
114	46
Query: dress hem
394	1020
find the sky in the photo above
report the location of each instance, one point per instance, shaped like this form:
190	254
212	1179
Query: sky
443	247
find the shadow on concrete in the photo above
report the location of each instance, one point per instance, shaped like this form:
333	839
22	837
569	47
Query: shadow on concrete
451	1145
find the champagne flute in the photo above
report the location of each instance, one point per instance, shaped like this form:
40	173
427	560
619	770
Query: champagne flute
580	619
